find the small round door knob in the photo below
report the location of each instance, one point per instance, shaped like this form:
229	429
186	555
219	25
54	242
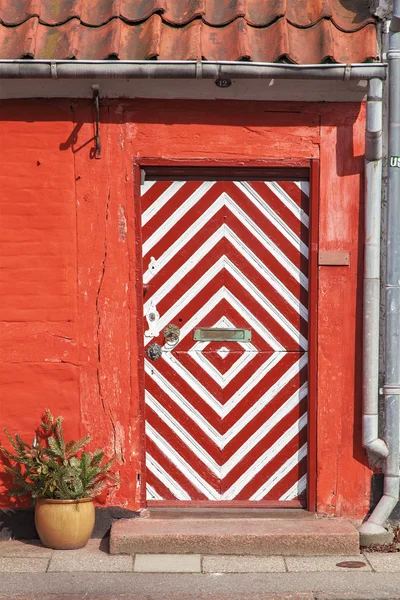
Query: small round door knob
154	351
172	333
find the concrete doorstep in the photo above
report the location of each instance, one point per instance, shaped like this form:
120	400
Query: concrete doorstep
234	536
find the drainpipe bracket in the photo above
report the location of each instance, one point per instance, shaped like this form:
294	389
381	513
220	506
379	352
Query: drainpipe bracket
53	70
373	145
199	69
393	54
390	390
347	72
394	24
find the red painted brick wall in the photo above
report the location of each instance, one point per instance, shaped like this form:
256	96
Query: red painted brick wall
68	266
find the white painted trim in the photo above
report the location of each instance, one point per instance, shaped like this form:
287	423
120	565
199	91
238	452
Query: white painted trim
253	228
225	232
272	216
176	459
280	474
161	474
294	208
264	459
223	470
297	488
163	198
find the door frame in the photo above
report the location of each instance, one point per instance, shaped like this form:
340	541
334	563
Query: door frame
137	330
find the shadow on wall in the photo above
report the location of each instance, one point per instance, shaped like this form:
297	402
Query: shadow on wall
345	149
173	112
376	494
19	524
7	483
70	142
363	10
109	113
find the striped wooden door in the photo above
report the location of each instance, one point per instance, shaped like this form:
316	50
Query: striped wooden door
226	421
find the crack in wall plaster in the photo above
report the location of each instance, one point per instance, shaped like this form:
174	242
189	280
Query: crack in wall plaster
103	269
106	411
69	362
60	337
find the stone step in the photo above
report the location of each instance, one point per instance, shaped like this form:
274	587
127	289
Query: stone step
242	536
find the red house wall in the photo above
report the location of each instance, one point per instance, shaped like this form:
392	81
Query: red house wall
68	266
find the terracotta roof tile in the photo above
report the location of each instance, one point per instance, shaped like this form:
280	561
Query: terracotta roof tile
301	31
348	15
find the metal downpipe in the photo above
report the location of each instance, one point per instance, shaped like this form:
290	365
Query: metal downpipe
374	526
373	190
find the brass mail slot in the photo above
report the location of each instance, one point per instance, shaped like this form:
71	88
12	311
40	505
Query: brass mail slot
215	334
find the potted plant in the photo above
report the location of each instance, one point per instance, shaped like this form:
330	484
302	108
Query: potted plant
62	480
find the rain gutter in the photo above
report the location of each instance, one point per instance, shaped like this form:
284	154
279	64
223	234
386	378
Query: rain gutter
133	69
373	528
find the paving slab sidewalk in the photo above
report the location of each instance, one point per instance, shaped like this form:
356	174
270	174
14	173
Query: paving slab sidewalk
31	557
201	586
30	572
268	596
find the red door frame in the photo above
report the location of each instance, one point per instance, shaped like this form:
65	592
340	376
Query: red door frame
137	330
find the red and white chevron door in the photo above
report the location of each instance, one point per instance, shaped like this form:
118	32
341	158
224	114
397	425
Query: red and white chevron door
226	421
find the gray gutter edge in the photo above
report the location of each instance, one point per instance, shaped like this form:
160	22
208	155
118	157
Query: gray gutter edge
118	69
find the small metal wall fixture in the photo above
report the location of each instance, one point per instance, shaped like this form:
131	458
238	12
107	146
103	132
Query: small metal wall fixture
154	351
220	334
96	104
153	318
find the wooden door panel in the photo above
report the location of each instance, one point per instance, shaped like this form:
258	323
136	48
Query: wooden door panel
226	421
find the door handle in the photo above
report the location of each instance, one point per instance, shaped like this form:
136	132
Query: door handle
154	351
172	333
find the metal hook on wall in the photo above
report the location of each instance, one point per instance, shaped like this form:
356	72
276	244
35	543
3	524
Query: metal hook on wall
96	104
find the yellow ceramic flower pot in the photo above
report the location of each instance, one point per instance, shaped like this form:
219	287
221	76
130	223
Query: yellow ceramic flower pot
64	524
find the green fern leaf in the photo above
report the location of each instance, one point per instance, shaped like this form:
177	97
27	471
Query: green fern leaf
98	456
10	456
54	447
59	436
78	446
12	441
97	489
